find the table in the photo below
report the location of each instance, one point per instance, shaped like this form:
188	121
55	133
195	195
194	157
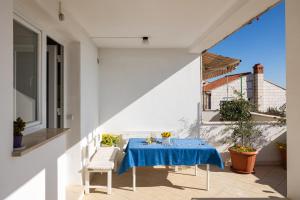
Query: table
191	152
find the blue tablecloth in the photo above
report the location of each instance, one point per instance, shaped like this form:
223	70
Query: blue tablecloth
181	152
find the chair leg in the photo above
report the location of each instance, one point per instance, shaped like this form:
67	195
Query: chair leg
109	181
196	170
87	182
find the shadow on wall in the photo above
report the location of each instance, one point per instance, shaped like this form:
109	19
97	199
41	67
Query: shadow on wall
190	129
268	152
145	89
46	171
42	175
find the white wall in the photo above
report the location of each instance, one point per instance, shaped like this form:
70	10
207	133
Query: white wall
293	94
149	90
220	93
274	96
269	92
44	172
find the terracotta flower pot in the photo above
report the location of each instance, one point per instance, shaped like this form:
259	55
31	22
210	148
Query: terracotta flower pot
242	162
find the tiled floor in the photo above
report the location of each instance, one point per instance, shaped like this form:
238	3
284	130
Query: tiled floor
269	182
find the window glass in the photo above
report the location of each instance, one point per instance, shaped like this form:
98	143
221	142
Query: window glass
25	72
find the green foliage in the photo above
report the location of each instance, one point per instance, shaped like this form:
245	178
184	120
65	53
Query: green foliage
278	112
275	111
110	140
243	149
19	126
244	132
235	110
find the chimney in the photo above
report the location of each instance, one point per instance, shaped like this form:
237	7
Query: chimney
258	86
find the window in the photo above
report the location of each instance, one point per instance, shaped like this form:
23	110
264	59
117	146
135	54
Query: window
27	73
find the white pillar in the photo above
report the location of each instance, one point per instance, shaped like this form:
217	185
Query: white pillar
293	94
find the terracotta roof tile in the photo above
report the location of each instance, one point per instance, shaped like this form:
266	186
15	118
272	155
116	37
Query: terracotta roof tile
222	81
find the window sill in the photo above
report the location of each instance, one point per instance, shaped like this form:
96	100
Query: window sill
39	138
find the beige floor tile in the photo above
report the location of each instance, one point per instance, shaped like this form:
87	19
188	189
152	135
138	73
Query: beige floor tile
269	182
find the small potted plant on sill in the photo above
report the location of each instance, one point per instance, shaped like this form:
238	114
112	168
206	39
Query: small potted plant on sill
166	137
19	126
244	134
109	140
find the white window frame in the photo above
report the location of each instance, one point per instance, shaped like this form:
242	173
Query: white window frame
39	122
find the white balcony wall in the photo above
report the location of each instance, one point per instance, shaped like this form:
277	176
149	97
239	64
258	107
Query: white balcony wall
266	145
144	90
44	172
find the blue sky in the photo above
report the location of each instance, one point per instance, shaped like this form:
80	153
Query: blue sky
262	41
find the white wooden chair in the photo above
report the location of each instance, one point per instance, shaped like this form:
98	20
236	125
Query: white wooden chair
103	160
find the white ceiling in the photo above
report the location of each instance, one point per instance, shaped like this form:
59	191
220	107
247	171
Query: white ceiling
193	24
169	23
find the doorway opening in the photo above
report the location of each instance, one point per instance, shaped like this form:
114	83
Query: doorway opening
55	82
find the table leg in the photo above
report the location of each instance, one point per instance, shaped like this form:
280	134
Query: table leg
196	170
176	168
133	178
207	177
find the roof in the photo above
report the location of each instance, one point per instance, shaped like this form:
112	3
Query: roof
222	81
275	84
215	65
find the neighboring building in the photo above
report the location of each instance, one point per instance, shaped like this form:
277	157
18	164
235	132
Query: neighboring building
262	93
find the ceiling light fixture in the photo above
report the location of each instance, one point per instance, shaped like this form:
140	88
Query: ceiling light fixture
61	16
145	39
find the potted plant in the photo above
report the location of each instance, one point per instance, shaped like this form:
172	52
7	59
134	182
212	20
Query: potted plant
281	146
109	140
166	137
19	126
244	134
243	153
